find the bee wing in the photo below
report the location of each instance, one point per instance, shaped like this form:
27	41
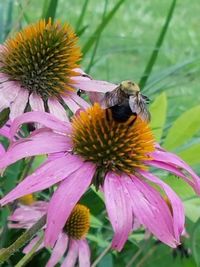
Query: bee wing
113	98
139	107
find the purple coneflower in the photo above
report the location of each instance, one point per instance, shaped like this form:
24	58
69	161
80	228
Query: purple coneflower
114	156
39	71
70	239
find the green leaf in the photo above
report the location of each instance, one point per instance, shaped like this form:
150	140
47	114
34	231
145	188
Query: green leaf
179	186
191	154
107	261
192	208
49	9
196	242
157	47
101	27
4	116
158	110
183	128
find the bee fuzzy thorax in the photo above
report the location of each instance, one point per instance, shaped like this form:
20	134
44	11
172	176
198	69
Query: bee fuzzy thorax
129	87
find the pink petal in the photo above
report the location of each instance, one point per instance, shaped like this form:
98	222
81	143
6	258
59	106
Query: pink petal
45	176
2	150
80	101
176	203
72	254
84	253
171	169
57	109
64	200
172	159
36	102
58	250
118	208
19	104
43	118
71	104
85	84
32	243
38	143
150	209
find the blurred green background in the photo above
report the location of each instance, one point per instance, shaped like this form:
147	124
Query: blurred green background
120	51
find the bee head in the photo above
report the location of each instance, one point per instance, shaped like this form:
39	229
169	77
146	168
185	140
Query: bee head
129	87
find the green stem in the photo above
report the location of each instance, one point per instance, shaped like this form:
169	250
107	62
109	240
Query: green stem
156	50
5	253
105	251
30	254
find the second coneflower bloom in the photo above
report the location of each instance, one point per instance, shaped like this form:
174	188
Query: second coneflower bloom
71	244
114	156
39	70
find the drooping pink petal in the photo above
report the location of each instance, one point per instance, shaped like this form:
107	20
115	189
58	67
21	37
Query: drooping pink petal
72	105
19	104
36	102
42	142
150	209
85	84
65	198
32	243
176	203
45	176
29	213
170	168
118	208
72	254
58	250
57	109
8	92
43	118
174	160
83	253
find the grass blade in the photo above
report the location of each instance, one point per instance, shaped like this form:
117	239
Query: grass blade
157	47
81	17
101	27
9	19
49	11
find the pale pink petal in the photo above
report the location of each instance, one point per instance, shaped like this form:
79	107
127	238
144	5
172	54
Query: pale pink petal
80	101
78	70
38	143
43	118
32	243
172	159
85	84
65	198
118	208
72	254
5	131
36	102
57	109
58	250
176	203
96	97
19	104
45	176
9	90
71	104
150	209
83	253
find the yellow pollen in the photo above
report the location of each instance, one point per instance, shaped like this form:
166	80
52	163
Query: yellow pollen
42	57
112	145
78	223
27	199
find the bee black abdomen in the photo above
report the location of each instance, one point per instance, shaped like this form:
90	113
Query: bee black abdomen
121	113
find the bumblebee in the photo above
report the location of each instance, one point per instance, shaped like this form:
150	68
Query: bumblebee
126	100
